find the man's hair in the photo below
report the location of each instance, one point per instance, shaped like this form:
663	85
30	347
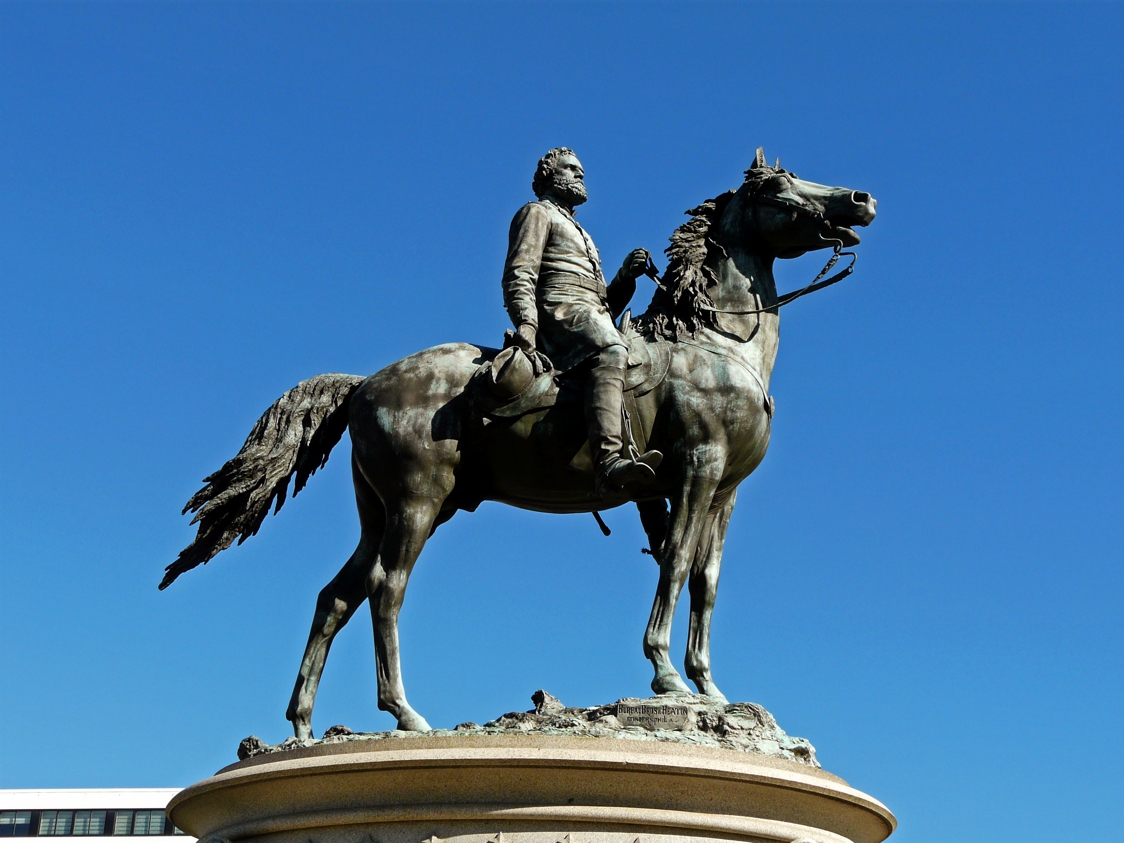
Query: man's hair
544	173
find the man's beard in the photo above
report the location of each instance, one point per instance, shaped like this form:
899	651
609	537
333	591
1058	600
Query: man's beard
570	191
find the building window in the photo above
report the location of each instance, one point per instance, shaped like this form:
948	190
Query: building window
55	823
85	823
89	822
123	822
15	823
148	822
139	822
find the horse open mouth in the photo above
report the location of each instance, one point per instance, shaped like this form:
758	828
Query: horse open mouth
846	235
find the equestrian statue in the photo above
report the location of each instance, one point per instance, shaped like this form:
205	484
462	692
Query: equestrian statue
584	409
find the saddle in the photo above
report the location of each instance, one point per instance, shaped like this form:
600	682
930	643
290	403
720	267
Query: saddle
505	387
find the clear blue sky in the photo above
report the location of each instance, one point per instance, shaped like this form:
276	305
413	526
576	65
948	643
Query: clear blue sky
201	205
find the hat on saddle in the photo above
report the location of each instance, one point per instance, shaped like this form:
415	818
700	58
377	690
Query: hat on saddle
510	374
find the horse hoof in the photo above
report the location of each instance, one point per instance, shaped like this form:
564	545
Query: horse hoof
717	696
413	722
670	684
708	689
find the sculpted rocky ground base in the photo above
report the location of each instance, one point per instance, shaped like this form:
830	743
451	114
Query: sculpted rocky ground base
673	718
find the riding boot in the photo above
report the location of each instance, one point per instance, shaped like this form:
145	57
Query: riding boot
603	411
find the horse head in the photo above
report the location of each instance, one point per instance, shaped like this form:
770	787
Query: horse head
720	262
777	213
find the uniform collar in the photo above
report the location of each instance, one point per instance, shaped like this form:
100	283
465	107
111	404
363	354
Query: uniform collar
567	211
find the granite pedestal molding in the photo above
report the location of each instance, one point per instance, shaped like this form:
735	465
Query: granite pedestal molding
525	789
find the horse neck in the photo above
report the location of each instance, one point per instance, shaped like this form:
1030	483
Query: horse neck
745	282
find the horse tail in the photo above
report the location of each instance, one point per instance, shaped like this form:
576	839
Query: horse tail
294	436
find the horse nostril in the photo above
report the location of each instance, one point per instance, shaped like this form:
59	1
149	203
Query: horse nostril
859	198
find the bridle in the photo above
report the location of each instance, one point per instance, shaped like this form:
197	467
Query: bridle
756	198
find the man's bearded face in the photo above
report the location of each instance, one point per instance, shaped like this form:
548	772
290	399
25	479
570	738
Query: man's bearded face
569	190
568	184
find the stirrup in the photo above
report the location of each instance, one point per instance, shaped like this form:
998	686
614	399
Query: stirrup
624	473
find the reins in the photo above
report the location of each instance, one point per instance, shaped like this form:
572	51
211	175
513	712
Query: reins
816	284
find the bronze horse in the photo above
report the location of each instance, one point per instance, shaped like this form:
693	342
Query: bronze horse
421	450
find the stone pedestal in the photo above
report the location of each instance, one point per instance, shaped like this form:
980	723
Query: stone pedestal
525	789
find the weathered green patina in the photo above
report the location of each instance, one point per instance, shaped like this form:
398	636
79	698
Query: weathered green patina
422	448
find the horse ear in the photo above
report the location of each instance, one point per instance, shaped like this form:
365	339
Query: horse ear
759	161
777	166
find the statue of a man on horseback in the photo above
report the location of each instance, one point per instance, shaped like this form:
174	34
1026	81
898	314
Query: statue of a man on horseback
424	447
563	311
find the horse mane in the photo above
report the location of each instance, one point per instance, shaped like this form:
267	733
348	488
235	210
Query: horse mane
679	304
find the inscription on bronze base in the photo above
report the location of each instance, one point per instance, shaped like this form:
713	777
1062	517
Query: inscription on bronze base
652	717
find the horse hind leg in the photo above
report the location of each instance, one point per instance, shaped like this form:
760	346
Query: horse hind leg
410	521
335	605
703	587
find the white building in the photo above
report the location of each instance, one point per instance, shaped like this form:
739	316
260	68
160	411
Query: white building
71	815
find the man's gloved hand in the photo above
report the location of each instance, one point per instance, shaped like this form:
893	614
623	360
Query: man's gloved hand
524	340
525	336
635	264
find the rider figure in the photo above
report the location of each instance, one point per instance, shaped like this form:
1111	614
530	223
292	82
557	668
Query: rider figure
556	295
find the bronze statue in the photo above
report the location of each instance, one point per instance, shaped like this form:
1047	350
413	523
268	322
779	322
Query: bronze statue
428	440
556	295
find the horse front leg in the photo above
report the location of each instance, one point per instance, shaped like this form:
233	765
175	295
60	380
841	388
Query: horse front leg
703	588
689	510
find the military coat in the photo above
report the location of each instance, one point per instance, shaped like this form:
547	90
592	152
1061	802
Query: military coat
553	281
